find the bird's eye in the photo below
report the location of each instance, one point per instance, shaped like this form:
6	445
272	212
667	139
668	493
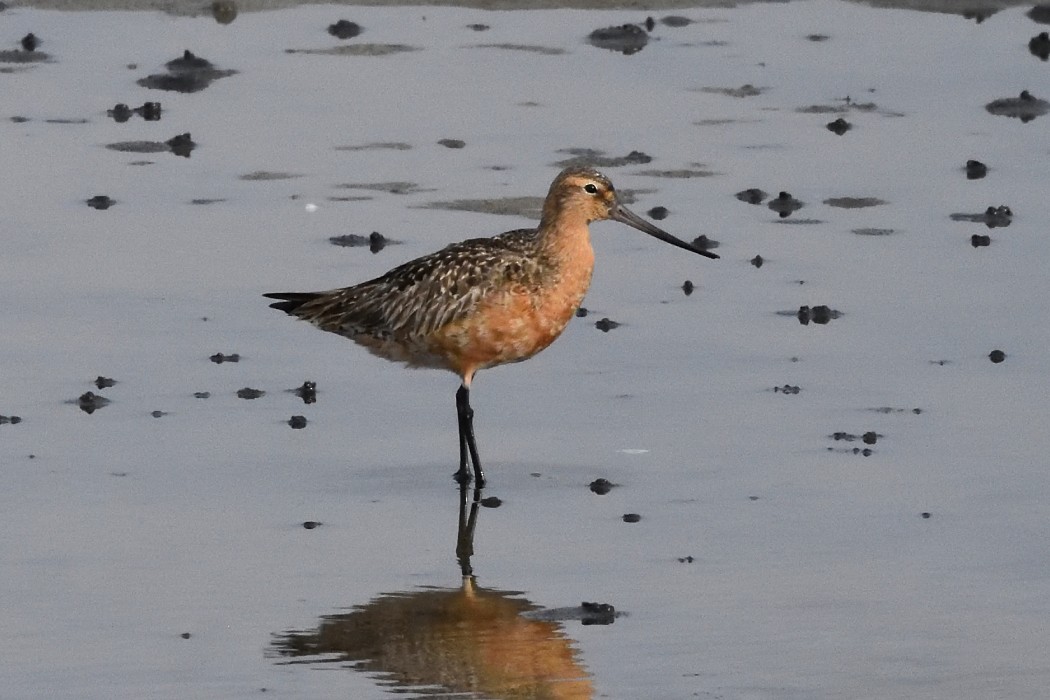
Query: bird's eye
590	188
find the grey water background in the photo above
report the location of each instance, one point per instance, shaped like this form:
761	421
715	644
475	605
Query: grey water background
165	556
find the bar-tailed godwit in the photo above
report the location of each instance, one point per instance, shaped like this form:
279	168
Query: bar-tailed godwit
482	302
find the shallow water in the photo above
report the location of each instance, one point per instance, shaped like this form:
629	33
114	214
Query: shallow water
166	556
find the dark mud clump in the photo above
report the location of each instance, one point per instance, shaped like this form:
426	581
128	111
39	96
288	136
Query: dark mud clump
589	157
375	241
757	261
582	312
675	21
100	202
267	176
1025	107
978	240
869	231
218	358
307	392
845	106
344	29
820	315
1039	14
297	422
800	222
597	613
89	402
992	217
158	414
377	146
587	613
704	243
626	39
104	382
601	486
975	169
10	420
868	438
894	410
688	287
357	50
658	213
530	48
23	57
746	90
224	11
839	126
527	207
853	202
979	15
180	145
452	143
396	187
28	52
680	173
606	324
188	62
631	517
67	120
249	393
311	524
139	146
752	195
490	502
202	394
784	204
997	356
787	389
1039	45
188	73
150	111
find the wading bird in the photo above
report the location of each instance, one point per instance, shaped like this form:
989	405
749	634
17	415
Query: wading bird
482	302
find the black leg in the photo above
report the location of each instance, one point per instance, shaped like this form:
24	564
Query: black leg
462	475
468	447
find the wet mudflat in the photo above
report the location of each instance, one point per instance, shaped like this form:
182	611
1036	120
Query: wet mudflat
848	501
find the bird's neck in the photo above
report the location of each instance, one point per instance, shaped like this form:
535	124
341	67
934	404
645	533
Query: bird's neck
567	242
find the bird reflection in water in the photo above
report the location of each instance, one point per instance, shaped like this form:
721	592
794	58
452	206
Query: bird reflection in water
436	641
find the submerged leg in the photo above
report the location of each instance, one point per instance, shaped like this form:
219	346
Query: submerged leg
468	447
468	518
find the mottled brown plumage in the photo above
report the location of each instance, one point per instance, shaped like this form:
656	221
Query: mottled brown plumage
481	302
400	315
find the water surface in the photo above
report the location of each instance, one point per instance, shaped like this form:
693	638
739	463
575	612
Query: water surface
156	548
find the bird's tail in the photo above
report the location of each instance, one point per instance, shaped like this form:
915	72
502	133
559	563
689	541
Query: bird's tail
290	301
